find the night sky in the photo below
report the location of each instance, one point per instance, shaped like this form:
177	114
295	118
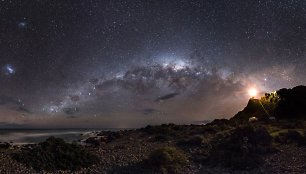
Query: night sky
129	63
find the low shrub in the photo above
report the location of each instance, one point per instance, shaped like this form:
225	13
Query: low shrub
162	138
164	129
4	145
167	160
220	123
241	149
56	154
164	132
196	140
291	136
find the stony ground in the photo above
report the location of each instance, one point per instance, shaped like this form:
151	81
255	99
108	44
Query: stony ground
128	154
289	160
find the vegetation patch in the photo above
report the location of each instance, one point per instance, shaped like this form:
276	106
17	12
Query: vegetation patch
4	145
164	132
56	154
196	140
241	149
291	136
167	160
292	103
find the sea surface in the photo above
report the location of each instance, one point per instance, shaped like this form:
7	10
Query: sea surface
25	136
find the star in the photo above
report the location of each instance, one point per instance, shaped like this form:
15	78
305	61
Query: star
22	24
8	70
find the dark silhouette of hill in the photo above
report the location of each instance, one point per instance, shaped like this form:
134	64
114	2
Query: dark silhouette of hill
253	109
282	104
292	104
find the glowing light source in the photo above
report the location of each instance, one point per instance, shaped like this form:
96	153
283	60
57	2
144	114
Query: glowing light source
252	92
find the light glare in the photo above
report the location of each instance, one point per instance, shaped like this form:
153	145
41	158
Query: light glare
253	92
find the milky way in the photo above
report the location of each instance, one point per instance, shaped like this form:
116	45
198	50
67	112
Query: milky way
132	63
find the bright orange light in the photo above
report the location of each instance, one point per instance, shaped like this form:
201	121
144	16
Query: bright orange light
253	92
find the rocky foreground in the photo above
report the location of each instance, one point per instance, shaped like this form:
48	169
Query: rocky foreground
278	147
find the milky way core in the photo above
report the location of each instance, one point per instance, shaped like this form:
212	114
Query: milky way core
103	63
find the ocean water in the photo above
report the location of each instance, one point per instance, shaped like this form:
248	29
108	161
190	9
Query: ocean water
25	136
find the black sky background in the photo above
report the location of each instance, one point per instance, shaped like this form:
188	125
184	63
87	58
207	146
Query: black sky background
103	63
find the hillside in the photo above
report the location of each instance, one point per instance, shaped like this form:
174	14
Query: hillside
282	104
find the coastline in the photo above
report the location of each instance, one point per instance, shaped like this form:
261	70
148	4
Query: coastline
33	136
128	151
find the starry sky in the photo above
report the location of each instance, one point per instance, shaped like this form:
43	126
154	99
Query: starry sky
129	63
